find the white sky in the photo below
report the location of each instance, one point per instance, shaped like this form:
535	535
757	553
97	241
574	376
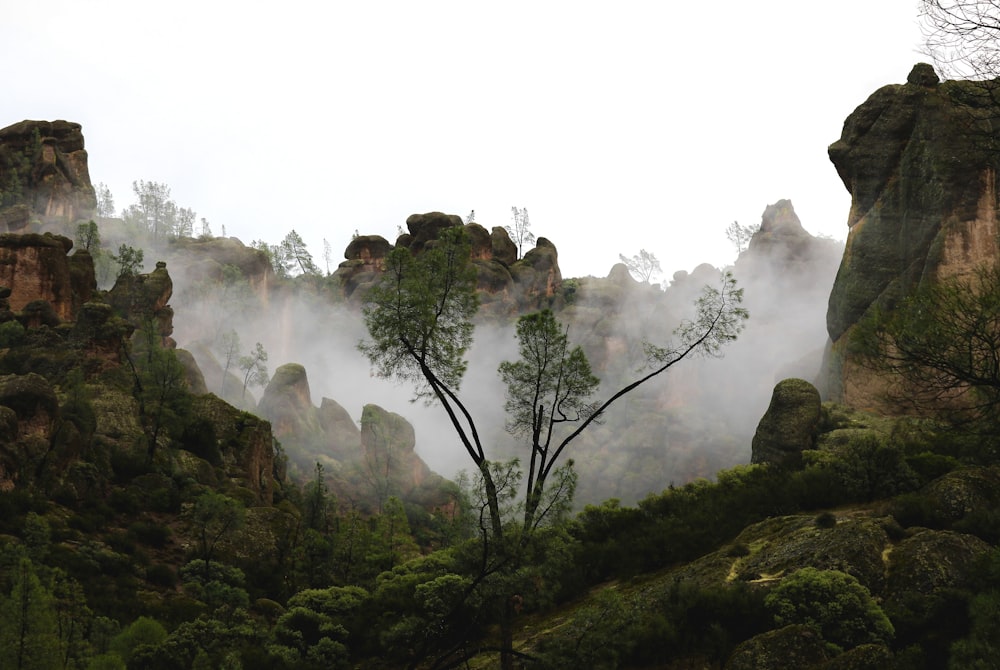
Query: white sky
619	126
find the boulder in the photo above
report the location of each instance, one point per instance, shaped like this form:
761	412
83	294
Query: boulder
503	248
963	491
426	227
537	275
370	249
790	424
794	646
930	561
340	428
480	241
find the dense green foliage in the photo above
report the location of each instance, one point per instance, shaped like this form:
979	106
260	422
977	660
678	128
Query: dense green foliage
833	602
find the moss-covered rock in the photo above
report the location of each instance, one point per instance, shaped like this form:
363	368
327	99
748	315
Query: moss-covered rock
862	657
930	561
245	445
962	492
790	424
31	397
795	646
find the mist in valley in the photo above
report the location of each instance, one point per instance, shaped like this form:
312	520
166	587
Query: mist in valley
695	419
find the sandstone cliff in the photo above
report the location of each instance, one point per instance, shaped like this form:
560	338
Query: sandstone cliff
918	161
35	267
43	175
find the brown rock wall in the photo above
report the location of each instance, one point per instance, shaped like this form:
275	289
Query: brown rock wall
35	267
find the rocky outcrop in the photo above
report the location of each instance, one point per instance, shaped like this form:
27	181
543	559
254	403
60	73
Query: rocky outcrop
243	442
33	401
143	298
918	161
389	461
369	463
506	285
35	267
790	424
211	260
287	404
782	243
43	168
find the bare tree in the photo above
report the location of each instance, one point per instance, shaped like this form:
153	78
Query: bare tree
254	367
643	266
962	37
740	236
520	232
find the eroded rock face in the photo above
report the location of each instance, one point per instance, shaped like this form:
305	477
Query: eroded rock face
287	404
916	159
201	260
43	166
369	463
143	300
33	400
245	444
790	424
387	452
35	267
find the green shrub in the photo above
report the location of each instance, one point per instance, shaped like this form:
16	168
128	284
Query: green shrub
150	533
11	334
161	575
930	466
913	509
142	631
834	603
737	550
826	520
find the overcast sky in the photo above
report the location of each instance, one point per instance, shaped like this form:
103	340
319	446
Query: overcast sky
619	126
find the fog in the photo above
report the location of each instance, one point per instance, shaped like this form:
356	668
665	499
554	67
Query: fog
695	419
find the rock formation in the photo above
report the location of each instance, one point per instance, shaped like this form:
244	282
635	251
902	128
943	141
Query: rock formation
918	161
143	298
207	260
35	267
790	424
372	462
507	285
43	175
